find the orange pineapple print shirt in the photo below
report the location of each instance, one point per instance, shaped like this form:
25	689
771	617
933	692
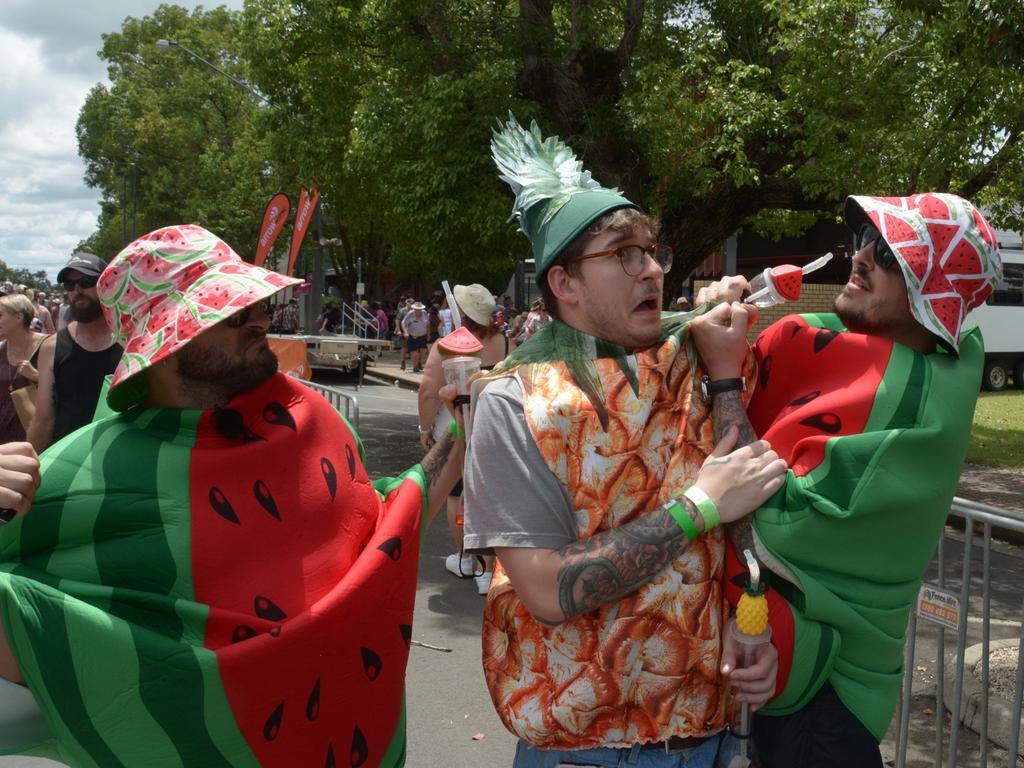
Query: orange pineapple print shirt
645	668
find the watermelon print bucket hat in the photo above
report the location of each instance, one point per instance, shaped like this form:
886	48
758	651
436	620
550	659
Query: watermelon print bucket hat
165	289
947	250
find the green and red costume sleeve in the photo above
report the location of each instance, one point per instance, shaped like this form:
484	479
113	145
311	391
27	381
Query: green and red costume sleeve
875	435
217	588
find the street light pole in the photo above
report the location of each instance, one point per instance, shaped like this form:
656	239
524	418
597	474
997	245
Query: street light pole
194	55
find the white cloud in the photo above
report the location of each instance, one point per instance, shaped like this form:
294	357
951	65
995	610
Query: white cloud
49	49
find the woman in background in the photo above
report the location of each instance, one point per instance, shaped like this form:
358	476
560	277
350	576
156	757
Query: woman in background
19	351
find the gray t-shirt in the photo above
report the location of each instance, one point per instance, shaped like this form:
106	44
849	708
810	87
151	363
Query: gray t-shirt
512	498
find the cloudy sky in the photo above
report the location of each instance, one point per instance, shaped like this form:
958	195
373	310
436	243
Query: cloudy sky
50	63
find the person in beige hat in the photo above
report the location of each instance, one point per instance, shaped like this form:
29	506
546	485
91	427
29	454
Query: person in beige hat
416	325
477	312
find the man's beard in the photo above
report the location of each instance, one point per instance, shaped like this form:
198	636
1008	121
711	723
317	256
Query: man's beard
87	311
213	370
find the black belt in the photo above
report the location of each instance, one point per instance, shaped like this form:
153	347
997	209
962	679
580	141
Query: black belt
678	743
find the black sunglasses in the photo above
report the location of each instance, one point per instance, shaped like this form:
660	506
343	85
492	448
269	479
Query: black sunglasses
82	282
242	316
882	253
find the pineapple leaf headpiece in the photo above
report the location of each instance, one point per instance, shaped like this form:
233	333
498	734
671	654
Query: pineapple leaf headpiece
556	198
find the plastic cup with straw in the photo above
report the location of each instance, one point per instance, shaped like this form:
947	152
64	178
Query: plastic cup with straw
750	628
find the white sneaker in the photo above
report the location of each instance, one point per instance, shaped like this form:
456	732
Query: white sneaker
463	567
483	582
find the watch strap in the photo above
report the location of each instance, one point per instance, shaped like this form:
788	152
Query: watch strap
711	387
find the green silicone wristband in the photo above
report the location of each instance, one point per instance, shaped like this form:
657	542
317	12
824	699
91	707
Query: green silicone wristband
704	505
457	432
682	518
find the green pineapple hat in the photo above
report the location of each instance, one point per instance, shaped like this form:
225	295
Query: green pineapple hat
555	198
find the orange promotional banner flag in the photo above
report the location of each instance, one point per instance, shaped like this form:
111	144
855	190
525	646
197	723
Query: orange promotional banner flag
303	216
274	217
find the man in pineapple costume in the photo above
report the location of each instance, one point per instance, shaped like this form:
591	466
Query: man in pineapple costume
593	473
207	577
871	407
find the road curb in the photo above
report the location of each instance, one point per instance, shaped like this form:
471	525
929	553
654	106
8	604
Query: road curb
392	381
1000	710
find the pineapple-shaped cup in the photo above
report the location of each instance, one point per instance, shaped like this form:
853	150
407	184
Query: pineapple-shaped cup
750	628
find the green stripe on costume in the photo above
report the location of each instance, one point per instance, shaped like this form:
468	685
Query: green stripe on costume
859	529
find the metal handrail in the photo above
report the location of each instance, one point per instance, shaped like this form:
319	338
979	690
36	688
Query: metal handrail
344	403
361	319
989	517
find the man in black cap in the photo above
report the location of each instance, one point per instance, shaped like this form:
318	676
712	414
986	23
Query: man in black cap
72	363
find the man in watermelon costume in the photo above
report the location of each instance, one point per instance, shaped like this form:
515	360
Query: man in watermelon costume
592	472
871	407
208	577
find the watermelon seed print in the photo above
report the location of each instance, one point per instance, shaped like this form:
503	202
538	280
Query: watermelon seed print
392	548
313	702
806	398
372	663
330	762
765	372
242	632
275	631
826	422
360	749
229	423
406	630
273	725
822	338
266	500
330	476
222	506
275	413
267	609
351	461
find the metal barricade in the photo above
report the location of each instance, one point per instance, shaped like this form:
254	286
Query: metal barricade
344	403
943	606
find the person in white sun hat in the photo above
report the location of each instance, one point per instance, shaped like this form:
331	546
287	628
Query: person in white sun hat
479	314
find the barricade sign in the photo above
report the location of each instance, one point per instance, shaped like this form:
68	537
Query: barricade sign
938	606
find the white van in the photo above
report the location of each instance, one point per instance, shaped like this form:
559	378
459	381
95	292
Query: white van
1001	319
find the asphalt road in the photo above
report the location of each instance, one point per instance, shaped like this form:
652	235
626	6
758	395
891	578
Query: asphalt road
451	721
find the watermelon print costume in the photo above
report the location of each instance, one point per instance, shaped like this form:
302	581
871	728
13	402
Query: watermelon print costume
875	435
221	587
623	432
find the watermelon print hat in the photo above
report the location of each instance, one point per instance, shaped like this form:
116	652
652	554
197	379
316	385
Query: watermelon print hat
167	287
947	251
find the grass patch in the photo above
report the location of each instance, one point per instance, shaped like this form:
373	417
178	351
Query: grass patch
998	434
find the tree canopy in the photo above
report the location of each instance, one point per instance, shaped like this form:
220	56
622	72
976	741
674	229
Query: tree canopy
718	115
172	141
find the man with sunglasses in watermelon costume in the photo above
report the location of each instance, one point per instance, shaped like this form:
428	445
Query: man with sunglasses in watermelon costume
208	577
593	474
871	407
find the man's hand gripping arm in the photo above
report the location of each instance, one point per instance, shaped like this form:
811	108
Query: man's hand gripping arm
556	585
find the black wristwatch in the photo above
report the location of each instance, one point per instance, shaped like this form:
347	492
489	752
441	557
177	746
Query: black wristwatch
709	388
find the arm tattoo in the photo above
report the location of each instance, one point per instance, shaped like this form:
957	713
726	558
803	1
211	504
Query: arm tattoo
727	411
436	458
741	532
615	563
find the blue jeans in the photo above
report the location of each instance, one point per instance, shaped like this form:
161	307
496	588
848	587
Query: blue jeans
635	757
